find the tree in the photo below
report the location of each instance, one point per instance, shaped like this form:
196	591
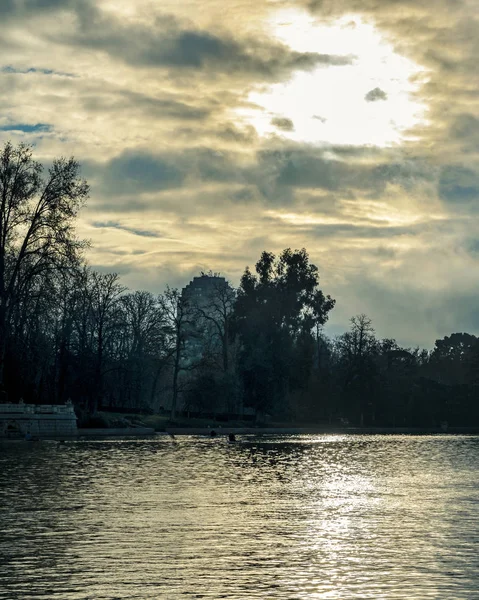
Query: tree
275	314
144	341
37	212
104	293
357	349
177	313
450	357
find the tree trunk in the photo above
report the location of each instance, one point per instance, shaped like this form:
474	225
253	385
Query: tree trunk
226	365
154	385
175	380
97	395
3	350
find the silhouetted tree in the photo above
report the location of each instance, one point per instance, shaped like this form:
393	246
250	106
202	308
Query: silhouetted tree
104	291
275	312
178	316
357	349
143	345
36	226
449	358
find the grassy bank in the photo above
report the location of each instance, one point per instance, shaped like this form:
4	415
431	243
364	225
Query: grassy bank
162	423
108	420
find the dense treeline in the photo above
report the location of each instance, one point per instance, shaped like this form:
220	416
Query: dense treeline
67	331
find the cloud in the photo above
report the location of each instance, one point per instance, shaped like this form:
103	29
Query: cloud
163	107
375	95
459	185
269	177
21	9
135	231
299	166
355	231
283	123
176	44
141	171
465	130
25	128
14	70
134	171
8	8
231	133
434	316
151	106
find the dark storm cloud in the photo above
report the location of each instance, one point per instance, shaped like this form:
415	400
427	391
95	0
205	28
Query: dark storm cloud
283	123
375	95
171	43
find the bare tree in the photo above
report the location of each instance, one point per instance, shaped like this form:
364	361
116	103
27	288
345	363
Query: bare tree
360	340
145	336
177	313
36	225
357	349
104	294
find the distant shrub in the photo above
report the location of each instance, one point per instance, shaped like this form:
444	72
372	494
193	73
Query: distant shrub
94	422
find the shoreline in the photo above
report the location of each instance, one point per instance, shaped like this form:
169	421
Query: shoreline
320	430
139	432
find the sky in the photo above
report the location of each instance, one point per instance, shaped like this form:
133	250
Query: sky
211	130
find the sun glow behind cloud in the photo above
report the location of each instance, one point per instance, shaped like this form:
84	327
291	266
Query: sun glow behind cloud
156	101
330	104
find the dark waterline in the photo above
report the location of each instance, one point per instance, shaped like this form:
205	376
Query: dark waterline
290	517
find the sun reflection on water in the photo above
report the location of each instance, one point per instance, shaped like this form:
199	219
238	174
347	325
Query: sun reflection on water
268	517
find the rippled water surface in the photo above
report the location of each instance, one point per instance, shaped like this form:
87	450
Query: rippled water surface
290	517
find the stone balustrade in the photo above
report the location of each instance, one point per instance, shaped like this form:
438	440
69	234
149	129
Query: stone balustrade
22	408
41	420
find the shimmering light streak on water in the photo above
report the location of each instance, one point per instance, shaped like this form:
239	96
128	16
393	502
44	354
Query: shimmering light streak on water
293	517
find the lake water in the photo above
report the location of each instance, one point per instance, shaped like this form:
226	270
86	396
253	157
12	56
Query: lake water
289	517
